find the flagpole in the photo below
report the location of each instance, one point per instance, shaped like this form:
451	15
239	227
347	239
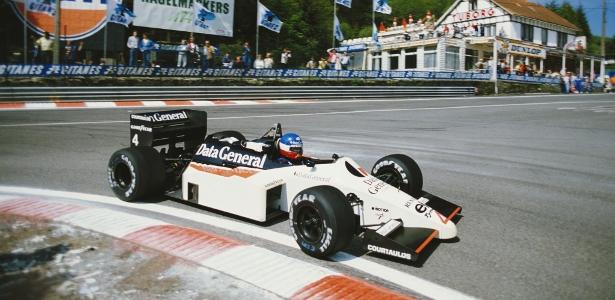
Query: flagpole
25	32
333	39
257	26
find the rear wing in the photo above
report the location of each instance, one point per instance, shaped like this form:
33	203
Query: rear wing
167	128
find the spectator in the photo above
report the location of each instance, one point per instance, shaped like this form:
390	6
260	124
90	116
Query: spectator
268	60
238	63
322	63
227	61
565	81
35	50
133	46
285	57
246	57
80	53
146	46
333	58
311	64
193	53
394	24
45	45
207	60
259	63
70	53
345	60
182	54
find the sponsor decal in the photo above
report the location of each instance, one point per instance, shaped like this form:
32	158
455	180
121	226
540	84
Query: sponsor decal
390	163
226	172
527	50
311	177
141	118
225	154
375	185
474	14
158	117
141	128
274	183
380	212
389	252
80	18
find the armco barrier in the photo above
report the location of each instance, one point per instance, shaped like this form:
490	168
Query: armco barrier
226	93
122	71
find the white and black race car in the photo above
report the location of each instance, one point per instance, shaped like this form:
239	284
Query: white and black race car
329	201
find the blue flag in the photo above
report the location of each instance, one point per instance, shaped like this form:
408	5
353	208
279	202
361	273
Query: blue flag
375	33
382	6
118	13
346	3
338	30
268	19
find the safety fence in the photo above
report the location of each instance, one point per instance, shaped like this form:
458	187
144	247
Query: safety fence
123	71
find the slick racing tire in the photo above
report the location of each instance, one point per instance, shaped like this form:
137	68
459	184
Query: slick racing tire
400	171
226	134
136	173
322	221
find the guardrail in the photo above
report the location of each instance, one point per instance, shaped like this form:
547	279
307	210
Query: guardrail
226	93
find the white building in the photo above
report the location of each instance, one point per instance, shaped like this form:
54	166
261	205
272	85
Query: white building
463	40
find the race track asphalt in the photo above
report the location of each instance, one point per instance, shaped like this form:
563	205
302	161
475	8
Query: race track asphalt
535	176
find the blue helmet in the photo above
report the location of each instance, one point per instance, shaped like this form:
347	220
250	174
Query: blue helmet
291	146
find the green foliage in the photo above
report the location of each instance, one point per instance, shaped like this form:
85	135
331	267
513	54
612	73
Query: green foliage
308	24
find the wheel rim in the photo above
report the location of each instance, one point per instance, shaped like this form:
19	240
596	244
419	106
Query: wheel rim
391	177
310	224
122	175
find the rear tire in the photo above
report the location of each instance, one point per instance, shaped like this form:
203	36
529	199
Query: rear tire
400	171
321	221
136	173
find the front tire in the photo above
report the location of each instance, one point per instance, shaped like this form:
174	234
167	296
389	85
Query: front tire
321	221
400	171
136	173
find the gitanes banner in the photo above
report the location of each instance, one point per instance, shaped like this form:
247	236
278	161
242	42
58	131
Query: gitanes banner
179	15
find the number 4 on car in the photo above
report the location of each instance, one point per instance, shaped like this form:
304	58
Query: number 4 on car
329	202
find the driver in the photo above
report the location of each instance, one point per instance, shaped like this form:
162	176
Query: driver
290	148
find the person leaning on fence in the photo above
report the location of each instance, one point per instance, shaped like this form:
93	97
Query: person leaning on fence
311	64
182	54
238	63
345	60
133	47
333	58
207	60
45	46
227	61
285	57
70	53
146	46
259	63
268	60
246	57
193	53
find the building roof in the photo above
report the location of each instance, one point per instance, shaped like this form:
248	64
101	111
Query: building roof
524	8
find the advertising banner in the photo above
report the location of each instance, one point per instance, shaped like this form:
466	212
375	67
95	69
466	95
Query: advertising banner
179	15
80	18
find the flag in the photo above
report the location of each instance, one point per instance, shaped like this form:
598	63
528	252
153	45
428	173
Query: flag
338	30
41	6
202	16
346	3
382	6
374	33
268	19
118	13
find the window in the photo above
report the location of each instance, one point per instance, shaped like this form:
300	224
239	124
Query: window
527	32
473	4
394	60
376	61
429	57
545	36
562	39
410	58
471	60
452	58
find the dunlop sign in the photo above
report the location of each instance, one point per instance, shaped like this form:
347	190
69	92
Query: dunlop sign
179	15
527	50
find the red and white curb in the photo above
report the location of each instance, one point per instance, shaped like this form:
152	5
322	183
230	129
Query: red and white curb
282	275
19	105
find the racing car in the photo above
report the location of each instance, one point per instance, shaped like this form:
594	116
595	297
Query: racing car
329	201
